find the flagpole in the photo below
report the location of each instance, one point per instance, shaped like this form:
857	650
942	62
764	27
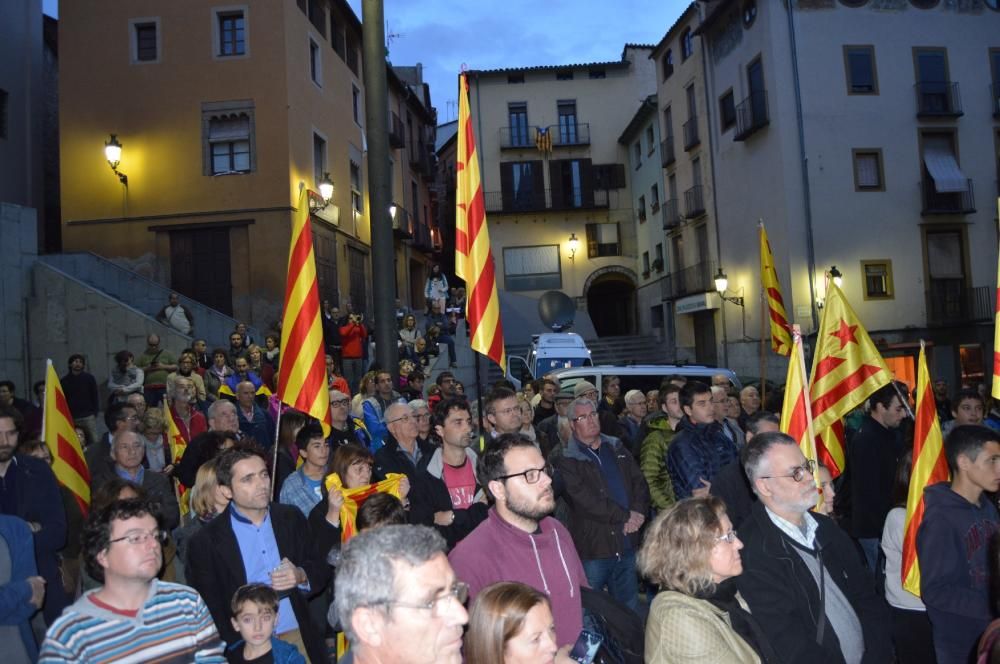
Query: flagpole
479	391
45	401
763	327
274	458
810	433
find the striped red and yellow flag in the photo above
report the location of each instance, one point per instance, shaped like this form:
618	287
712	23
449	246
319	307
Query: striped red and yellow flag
929	467
781	338
58	432
178	444
473	259
354	497
846	369
302	371
796	413
995	391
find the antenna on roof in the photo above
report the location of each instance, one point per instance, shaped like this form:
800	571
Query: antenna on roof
391	36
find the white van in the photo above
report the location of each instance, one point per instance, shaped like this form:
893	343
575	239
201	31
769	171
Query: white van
644	377
547	353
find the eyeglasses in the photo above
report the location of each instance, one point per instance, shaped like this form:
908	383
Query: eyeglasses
160	536
592	415
340	403
422	416
798	472
404	418
507	411
459	591
728	538
531	476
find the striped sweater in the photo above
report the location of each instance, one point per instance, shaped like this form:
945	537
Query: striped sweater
174	625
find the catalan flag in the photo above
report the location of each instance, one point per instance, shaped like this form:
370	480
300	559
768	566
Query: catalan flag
796	412
929	467
543	140
846	369
302	372
354	497
473	259
68	462
781	338
177	444
995	391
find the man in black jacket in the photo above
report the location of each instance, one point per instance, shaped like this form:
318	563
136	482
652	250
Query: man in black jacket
256	541
608	499
802	576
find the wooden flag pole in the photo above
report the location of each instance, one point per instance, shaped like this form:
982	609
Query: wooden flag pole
764	308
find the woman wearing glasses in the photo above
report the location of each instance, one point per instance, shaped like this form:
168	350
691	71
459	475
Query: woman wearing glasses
692	552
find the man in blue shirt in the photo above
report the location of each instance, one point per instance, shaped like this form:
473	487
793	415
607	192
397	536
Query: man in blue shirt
255	422
302	488
256	541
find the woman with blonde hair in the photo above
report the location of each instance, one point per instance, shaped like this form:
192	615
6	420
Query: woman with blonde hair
207	501
692	552
151	431
511	623
365	389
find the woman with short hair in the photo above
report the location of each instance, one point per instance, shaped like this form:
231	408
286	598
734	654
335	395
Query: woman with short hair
692	552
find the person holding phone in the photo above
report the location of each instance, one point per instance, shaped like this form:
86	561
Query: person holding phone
511	623
692	552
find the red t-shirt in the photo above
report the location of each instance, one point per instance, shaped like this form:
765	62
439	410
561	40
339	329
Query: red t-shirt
461	483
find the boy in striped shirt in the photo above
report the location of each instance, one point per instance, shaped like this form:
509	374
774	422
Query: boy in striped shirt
133	617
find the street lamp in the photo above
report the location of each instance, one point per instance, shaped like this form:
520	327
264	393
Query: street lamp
574	244
113	153
721	284
325	194
392	211
836	276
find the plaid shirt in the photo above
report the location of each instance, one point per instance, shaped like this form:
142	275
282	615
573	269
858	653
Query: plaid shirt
296	491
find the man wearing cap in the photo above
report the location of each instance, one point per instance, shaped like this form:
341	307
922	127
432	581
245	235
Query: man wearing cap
608	421
556	427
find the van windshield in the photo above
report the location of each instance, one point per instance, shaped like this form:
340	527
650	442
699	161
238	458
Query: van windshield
547	364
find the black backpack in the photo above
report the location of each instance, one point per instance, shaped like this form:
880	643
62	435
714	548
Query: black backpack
622	631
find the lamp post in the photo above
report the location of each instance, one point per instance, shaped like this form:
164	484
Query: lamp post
113	153
721	286
834	275
574	245
326	188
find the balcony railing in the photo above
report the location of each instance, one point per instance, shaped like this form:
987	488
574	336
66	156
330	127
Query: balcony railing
671	214
688	281
397	135
938	99
517	137
690	129
422	236
667	155
570	134
950	302
641	215
694	202
402	223
951	202
751	115
540	201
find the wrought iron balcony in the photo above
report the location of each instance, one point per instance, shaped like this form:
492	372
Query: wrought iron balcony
671	214
694	202
688	281
751	115
951	202
938	99
690	129
502	202
402	223
570	134
667	155
951	302
397	135
517	137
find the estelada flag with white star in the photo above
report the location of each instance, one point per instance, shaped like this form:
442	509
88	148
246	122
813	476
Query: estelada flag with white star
846	370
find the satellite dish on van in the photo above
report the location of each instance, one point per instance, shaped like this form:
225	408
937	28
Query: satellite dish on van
557	311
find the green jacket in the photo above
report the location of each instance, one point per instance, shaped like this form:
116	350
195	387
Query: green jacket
653	462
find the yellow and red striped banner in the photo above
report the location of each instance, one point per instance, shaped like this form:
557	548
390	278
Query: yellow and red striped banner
781	338
58	432
354	497
846	369
473	259
302	371
178	444
929	467
995	391
796	412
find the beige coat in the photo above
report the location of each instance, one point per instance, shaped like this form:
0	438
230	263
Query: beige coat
685	630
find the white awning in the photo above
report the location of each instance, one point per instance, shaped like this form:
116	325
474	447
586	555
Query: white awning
941	164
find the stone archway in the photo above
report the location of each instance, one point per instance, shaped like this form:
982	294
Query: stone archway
610	295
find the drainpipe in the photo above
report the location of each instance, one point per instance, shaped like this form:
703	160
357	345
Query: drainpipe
804	161
715	204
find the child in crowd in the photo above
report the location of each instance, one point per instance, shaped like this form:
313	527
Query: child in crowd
255	612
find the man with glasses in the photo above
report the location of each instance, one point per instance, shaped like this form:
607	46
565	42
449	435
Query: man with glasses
127	454
402	450
503	412
519	540
608	499
607	418
399	600
133	616
802	576
345	429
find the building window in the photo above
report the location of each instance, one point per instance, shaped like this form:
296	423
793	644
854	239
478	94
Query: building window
315	63
641	209
356	200
668	64
522	185
3	113
145	46
515	78
228	142
658	262
230	32
596	73
603	240
317	16
319	159
356	104
352	52
637	154
532	268
517	115
868	173
877	275
566	111
564	75
727	110
650	140
645	263
687	45
654	198
336	36
859	66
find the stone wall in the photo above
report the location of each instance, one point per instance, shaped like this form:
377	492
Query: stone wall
18	251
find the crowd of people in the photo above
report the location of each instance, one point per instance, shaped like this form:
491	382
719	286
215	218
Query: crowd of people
677	525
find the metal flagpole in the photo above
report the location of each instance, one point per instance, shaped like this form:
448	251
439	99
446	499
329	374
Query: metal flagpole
274	457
